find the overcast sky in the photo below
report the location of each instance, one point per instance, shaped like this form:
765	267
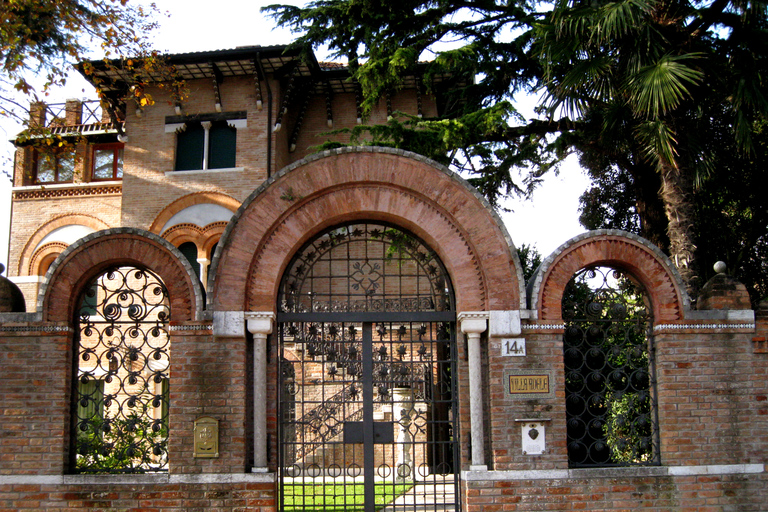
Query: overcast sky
546	222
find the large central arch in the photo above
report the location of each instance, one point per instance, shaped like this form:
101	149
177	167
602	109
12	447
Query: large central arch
380	184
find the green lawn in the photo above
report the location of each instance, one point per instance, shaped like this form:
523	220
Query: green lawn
330	497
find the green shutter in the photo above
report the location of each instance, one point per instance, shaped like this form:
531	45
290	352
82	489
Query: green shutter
223	143
189	148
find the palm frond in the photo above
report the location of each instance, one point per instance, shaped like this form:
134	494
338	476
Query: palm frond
658	141
660	87
618	19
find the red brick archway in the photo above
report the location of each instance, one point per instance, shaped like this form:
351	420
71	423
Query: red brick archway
611	248
375	184
95	253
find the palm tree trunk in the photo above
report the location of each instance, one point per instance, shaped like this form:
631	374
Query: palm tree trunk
650	207
677	195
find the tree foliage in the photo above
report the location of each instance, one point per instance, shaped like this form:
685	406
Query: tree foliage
40	40
641	89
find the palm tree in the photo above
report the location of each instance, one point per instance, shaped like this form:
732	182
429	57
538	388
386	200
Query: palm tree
659	71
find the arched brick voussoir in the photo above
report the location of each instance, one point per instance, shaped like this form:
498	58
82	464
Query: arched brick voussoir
188	200
367	184
616	248
95	253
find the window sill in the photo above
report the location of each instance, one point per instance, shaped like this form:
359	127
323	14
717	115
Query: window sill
204	171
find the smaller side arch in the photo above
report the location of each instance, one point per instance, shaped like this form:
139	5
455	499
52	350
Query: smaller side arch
93	254
181	203
30	247
609	247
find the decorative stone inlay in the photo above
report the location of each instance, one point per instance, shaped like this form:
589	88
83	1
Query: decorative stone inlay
543	327
701	327
201	327
35	328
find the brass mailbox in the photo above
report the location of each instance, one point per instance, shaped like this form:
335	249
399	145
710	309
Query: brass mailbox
206	437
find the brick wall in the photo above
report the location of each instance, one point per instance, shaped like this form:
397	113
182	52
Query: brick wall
711	364
34	423
606	490
138	494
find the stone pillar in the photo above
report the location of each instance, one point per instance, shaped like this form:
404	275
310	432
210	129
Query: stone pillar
473	324
260	325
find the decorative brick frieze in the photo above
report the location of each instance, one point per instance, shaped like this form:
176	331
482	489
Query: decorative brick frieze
51	192
204	329
33	329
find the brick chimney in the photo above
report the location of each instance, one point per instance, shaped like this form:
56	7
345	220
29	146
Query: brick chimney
74	114
37	115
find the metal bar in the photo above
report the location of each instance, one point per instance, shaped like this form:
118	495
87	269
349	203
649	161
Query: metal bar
368	451
370	316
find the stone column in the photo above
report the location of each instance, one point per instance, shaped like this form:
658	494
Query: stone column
204	262
402	410
473	324
260	325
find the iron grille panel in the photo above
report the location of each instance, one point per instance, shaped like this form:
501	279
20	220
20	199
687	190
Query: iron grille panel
403	371
609	371
120	411
367	376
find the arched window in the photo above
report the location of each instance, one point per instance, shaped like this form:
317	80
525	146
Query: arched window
206	145
120	413
609	371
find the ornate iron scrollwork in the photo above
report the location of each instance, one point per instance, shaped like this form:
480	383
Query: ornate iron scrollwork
123	360
364	267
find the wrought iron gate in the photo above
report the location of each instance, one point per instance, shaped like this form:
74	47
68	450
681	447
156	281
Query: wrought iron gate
366	384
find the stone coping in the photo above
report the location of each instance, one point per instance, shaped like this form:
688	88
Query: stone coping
617	472
469	476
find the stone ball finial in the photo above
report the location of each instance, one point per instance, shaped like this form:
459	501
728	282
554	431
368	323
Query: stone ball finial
720	267
11	298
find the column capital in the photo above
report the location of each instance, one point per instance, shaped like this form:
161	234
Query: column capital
259	322
473	322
